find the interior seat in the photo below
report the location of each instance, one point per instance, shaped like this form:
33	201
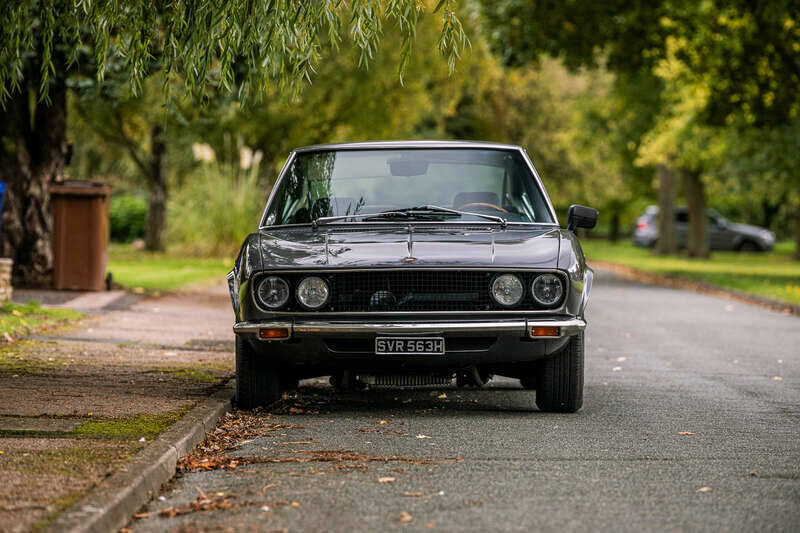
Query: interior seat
463	198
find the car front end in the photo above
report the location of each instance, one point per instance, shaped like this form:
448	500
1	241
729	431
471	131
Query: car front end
411	296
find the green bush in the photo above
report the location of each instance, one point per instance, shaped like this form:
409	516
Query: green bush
215	209
128	214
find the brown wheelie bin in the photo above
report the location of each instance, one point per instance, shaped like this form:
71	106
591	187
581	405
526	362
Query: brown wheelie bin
80	234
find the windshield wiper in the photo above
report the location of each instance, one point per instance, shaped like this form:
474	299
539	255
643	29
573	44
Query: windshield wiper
406	213
438	209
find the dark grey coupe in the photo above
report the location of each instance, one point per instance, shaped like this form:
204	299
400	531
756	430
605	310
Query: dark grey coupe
411	263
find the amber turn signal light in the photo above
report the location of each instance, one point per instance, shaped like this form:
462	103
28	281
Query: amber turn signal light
544	331
269	334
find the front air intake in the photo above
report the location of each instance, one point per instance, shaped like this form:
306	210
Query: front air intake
405	380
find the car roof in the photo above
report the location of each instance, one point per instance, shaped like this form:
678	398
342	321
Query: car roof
388	145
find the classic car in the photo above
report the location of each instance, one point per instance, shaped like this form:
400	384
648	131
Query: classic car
722	233
410	264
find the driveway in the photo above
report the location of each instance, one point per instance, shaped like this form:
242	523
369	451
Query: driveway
691	421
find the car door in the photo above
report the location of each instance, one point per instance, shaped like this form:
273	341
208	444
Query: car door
721	237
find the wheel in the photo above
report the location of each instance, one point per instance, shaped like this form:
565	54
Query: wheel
560	384
258	383
748	246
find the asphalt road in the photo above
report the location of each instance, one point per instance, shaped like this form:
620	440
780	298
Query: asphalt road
660	362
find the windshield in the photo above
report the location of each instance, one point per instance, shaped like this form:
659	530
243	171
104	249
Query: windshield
363	182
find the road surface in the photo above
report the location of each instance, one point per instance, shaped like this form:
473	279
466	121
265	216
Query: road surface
691	421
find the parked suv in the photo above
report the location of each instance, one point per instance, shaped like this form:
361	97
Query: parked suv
723	234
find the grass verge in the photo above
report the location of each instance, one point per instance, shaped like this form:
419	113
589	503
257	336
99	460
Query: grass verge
137	269
132	428
21	319
774	275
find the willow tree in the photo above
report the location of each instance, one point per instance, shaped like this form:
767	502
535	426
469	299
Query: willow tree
244	48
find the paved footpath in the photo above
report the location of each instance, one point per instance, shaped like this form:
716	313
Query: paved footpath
75	404
691	422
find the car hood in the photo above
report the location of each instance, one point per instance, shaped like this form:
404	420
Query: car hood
747	229
405	246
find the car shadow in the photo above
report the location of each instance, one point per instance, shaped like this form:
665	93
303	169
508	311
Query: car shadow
317	398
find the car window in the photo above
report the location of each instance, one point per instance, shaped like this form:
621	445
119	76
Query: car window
336	183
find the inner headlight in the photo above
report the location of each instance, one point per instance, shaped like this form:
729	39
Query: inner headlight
313	292
547	289
273	292
507	290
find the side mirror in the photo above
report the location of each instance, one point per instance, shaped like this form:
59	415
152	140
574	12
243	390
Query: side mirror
580	216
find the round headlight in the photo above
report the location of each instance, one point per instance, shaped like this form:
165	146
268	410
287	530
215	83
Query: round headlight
273	292
313	292
547	289
507	290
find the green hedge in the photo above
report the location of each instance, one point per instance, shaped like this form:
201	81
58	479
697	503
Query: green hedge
128	215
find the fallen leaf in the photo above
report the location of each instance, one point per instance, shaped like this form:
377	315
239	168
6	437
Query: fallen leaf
386	480
295	504
139	516
412	494
704	489
382	422
687	433
421	436
753	474
296	411
405	517
15	312
442	396
430	525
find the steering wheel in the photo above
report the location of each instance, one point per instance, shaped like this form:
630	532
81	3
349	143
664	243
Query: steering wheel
483	204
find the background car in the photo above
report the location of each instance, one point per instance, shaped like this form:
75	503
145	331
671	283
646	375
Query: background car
411	263
723	234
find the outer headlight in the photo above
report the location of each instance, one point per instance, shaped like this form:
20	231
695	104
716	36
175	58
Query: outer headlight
273	292
507	290
547	289
313	292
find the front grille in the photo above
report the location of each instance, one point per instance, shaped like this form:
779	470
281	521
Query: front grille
411	290
405	380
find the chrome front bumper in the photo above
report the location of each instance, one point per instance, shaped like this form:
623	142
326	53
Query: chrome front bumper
307	328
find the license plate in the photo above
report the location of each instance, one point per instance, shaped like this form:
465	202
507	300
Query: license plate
409	345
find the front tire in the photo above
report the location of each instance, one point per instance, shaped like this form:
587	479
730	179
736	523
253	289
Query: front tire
560	381
258	383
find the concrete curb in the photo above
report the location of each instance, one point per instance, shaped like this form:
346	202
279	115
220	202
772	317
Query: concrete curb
110	505
677	282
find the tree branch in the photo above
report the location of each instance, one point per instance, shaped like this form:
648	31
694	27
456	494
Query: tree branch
118	136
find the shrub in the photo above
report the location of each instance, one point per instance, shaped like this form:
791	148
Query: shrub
215	209
128	214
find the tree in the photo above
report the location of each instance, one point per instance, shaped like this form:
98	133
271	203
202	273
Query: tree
241	47
737	61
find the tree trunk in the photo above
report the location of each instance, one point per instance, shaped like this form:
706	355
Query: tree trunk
698	245
36	136
613	231
667	242
157	192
